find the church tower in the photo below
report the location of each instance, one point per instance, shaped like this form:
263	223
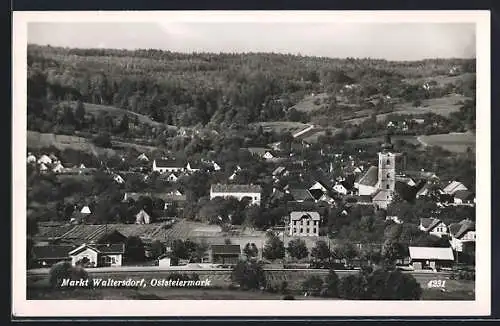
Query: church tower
387	166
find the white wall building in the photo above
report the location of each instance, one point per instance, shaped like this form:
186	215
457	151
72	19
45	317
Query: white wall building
250	192
304	224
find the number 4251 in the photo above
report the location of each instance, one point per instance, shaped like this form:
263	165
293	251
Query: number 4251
436	284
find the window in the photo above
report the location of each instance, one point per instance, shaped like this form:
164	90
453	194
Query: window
388	175
301	230
307	223
315	222
387	186
307	231
294	230
294	222
314	230
388	161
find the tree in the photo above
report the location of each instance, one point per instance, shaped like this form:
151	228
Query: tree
250	250
320	251
179	249
392	285
64	270
313	285
80	113
124	123
332	282
348	251
391	251
249	275
297	249
157	249
274	248
103	140
134	249
353	287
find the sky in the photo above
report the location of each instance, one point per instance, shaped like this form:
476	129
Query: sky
391	41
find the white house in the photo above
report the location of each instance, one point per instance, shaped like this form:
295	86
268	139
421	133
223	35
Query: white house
430	257
163	261
82	166
58	168
31	159
142	217
453	187
339	188
85	210
433	226
461	197
193	167
118	179
250	192
98	255
43	168
163	166
367	184
172	177
44	159
216	166
394	219
143	158
304	224
462	234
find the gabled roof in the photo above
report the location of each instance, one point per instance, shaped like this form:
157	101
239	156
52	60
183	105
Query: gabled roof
431	253
457	230
196	165
381	195
100	248
429	223
453	187
370	178
301	194
169	164
226	249
464	194
295	216
279	170
52	252
236	188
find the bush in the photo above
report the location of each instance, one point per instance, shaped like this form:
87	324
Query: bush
288	297
64	270
353	287
332	282
103	140
249	275
313	285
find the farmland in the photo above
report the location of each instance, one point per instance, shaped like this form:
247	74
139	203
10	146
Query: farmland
311	102
37	140
453	142
281	126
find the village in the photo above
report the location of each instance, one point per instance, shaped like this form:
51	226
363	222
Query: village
159	234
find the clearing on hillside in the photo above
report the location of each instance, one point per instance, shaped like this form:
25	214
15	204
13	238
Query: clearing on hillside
281	126
311	102
453	142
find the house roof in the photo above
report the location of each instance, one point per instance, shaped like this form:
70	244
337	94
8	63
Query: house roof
52	251
196	165
279	170
457	230
421	175
258	150
429	223
454	186
464	194
431	253
295	216
300	194
89	233
169	163
370	178
100	248
226	249
236	188
381	194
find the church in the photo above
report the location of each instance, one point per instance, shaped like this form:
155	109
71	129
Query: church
379	182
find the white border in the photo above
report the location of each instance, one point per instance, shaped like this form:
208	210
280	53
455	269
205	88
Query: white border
480	307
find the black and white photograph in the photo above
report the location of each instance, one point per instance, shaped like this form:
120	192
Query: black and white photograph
207	158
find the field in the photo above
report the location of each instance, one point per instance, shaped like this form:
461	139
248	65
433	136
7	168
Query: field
282	126
453	142
441	80
118	113
308	105
376	140
37	140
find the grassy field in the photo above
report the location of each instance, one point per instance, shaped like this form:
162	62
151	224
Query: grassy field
281	126
453	142
118	113
441	80
36	140
308	105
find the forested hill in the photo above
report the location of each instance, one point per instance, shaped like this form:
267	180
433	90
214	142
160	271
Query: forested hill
200	88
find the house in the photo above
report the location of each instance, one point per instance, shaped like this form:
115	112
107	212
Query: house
299	194
250	192
85	210
453	187
394	219
463	197
31	159
193	167
172	177
216	166
164	261
118	179
143	158
367	184
46	256
163	166
43	168
304	224
59	168
462	234
382	198
227	254
340	188
431	257
433	226
44	159
142	217
98	255
279	172
262	152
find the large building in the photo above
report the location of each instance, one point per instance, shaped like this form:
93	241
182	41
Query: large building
251	193
304	224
